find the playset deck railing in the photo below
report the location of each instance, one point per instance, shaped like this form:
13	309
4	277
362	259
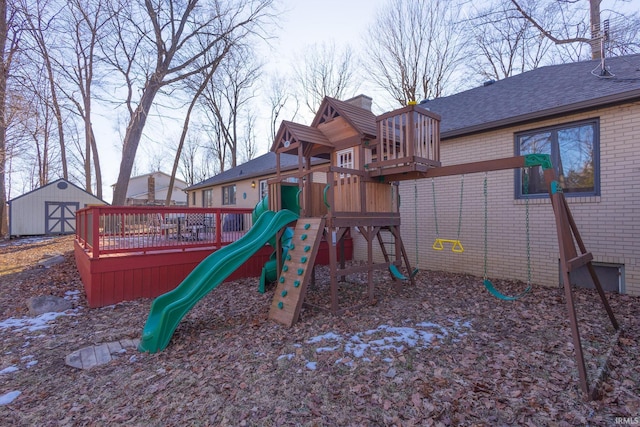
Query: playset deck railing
408	137
112	230
334	190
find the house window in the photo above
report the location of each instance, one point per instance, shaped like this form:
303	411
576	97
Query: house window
575	155
344	159
229	195
207	198
264	189
193	198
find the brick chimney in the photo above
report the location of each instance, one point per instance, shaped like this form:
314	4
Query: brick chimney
151	189
362	101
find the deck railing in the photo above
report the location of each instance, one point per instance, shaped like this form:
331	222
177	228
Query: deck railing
109	230
410	135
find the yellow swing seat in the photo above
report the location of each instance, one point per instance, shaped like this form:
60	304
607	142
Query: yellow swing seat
456	247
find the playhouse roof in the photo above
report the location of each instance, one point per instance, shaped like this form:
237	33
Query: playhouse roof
361	119
541	93
299	133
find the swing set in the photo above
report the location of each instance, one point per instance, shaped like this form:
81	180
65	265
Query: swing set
573	253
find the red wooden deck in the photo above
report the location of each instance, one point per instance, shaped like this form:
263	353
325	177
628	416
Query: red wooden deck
125	253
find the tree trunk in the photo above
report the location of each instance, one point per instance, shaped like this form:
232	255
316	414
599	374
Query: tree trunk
96	164
4	72
132	139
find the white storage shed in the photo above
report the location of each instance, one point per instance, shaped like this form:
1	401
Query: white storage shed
50	209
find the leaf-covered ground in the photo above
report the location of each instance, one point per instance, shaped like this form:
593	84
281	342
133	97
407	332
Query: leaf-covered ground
444	352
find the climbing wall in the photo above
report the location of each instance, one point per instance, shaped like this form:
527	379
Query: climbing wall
296	271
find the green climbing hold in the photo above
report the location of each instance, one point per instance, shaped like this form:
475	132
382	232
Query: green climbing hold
303	259
288	257
307	248
282	279
296	283
285	268
292	247
300	271
280	305
303	237
306	226
284	293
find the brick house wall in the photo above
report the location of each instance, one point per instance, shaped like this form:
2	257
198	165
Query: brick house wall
609	224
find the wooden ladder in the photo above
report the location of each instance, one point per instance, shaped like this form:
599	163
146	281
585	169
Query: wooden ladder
296	271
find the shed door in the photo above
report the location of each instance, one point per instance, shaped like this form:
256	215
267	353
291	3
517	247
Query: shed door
60	217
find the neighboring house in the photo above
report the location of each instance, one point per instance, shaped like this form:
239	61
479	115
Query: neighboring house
151	189
589	122
243	186
49	210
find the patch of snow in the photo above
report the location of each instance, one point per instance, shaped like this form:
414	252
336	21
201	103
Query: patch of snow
311	366
389	338
72	295
32	363
325	349
31	323
327	336
30	356
9	370
25	241
7	398
286	356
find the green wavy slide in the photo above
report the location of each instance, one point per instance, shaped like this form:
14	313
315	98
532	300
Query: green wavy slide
168	310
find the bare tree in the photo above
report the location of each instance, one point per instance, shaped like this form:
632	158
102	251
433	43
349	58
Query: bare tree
279	96
248	146
227	97
9	42
167	41
39	17
204	83
414	48
84	26
504	44
324	70
580	23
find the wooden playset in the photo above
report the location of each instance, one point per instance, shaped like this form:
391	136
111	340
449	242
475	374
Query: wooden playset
357	192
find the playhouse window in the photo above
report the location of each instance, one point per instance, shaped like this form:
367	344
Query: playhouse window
344	159
229	195
575	155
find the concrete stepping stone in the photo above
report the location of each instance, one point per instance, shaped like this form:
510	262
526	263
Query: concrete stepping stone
95	355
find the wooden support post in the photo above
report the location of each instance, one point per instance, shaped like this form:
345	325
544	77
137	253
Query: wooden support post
331	242
567	231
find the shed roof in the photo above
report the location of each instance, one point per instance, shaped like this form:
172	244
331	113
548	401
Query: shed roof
541	93
56	182
260	166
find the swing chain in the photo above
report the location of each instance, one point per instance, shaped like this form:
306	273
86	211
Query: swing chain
526	209
486	224
435	209
415	214
460	209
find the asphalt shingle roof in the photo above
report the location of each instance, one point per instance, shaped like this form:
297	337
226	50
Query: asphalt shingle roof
542	92
260	166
